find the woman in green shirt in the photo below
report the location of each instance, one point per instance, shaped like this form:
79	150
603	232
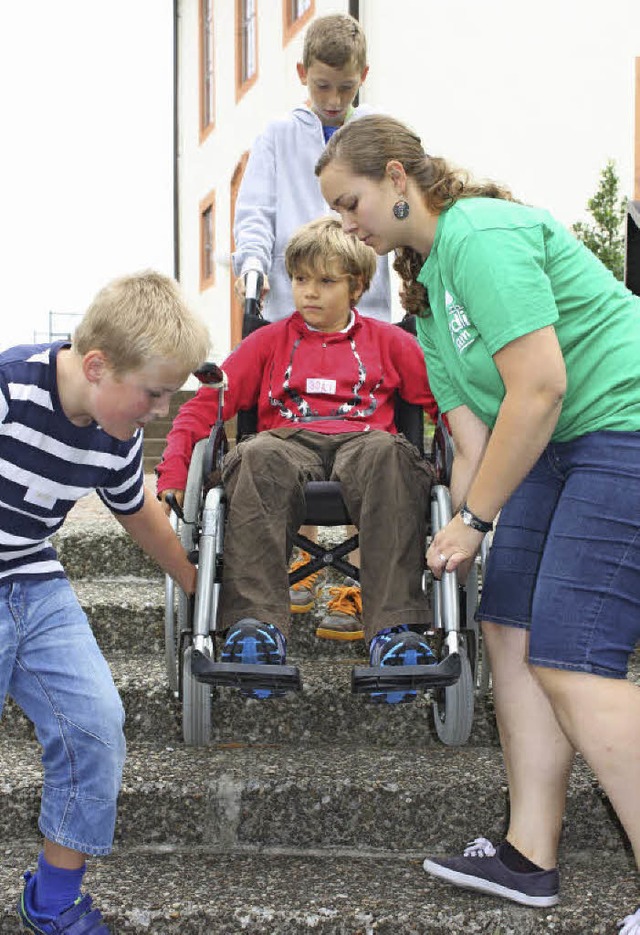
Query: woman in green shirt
533	351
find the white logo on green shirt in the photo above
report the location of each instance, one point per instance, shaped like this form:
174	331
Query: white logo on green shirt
459	324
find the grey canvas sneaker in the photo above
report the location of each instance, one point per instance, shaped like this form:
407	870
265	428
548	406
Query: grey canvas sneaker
480	868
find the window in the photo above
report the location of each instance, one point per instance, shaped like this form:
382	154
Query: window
207	85
296	14
247	45
207	241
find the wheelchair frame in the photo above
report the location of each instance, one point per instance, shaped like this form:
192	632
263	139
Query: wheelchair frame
190	649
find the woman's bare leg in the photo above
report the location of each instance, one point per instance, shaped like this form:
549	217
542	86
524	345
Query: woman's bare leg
537	755
601	716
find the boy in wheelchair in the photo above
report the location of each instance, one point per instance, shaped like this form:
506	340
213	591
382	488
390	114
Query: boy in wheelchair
325	381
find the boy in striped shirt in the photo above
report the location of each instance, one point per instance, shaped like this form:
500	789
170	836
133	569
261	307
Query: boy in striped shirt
71	421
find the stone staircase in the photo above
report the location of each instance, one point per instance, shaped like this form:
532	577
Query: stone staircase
310	813
155	432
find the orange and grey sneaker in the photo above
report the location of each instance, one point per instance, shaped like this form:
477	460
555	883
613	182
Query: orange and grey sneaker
344	619
302	594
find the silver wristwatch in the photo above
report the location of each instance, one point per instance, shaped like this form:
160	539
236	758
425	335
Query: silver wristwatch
470	519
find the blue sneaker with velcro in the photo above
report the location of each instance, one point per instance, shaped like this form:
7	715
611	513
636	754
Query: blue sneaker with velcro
251	642
399	646
79	919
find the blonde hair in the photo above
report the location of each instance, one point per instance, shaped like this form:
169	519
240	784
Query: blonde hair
322	246
137	318
365	146
337	40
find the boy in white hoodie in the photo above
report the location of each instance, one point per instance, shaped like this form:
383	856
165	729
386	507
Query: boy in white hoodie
278	194
279	190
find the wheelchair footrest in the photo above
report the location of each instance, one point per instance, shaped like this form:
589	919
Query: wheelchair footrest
366	679
236	675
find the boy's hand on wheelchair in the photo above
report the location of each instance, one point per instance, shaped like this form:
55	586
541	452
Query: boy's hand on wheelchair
454	547
178	494
239	287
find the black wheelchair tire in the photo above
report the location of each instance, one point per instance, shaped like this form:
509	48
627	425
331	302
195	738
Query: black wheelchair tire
453	707
196	706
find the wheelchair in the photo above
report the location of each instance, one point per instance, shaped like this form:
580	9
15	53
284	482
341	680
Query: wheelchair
190	637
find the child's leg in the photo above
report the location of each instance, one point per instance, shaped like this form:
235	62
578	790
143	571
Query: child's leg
386	488
64	685
8	642
264	478
302	594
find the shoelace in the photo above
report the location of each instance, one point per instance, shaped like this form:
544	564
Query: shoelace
630	924
347	599
481	847
310	580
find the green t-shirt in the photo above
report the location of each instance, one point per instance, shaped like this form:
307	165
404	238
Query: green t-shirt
499	270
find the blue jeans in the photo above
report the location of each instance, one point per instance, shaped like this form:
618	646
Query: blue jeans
50	664
565	559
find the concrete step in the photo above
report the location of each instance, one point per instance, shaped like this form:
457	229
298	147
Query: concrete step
149	463
153	448
191	891
324	712
127	614
100	547
237	795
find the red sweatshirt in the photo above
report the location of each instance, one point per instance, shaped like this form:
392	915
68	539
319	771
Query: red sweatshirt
322	382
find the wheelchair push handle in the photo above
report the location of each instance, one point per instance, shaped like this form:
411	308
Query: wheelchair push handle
210	374
253	283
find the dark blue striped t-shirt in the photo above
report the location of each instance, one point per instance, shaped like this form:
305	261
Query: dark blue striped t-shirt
47	463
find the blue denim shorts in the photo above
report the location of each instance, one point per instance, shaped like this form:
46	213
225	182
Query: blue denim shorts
565	559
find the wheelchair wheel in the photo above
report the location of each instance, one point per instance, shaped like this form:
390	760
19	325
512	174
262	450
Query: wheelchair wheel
453	706
177	606
196	706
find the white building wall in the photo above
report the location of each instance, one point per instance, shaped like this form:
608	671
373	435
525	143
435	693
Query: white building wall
211	164
538	96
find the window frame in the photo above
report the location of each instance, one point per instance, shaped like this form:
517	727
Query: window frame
207	209
243	84
206	71
291	25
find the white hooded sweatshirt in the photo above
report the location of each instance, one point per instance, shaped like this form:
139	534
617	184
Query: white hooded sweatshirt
279	192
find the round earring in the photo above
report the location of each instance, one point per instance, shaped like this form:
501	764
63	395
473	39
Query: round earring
401	208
